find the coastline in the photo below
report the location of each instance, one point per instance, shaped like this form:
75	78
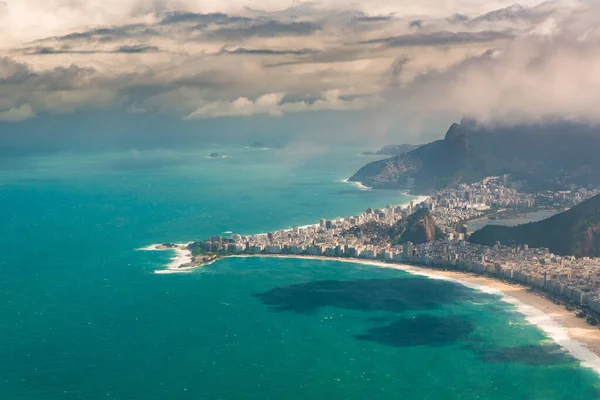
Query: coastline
182	257
579	339
573	334
357	184
182	261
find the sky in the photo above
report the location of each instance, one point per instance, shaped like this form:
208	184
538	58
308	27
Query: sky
98	72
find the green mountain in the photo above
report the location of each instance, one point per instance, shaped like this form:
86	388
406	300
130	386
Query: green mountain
433	165
419	227
546	155
573	232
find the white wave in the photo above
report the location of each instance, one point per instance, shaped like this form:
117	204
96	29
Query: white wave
171	271
182	256
357	184
154	247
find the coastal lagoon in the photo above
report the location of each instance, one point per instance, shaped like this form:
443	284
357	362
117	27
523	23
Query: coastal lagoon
524	219
85	317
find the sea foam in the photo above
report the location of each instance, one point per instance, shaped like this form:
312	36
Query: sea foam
357	184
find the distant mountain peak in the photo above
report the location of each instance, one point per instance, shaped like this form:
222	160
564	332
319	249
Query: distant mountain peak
453	132
543	155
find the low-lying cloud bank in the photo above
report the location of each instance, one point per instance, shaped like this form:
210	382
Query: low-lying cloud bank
273	104
493	61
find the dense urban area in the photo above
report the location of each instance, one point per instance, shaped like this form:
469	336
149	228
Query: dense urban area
365	236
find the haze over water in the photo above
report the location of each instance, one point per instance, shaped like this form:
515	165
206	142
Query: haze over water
85	317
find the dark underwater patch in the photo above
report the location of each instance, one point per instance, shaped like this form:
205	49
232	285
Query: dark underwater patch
421	330
546	354
391	295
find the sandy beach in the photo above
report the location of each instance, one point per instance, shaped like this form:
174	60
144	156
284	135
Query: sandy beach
182	257
580	339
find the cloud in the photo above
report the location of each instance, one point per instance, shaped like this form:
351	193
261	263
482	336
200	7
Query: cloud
138	48
128	49
269	52
17	114
441	38
375	19
66	16
179	17
266	29
238	58
416	23
272	104
534	77
513	12
110	34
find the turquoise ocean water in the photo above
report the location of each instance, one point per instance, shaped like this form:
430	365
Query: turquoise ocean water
83	316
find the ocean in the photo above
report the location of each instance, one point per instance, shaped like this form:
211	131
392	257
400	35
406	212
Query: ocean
84	316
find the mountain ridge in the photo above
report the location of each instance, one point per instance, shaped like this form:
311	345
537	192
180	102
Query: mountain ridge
552	155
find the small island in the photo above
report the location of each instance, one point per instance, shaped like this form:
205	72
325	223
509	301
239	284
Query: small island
215	155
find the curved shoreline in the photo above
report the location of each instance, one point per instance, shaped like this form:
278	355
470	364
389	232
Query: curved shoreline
579	339
357	184
182	257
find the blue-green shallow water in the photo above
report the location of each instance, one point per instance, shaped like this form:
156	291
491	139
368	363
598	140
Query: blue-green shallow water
82	316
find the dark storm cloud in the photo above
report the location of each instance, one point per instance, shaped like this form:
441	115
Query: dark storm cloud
47	50
212	26
269	28
512	13
441	38
62	78
380	18
190	17
137	49
107	34
458	18
398	66
342	54
269	52
417	23
14	73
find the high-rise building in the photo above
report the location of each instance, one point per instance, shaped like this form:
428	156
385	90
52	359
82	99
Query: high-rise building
407	250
